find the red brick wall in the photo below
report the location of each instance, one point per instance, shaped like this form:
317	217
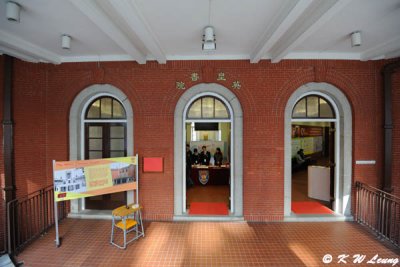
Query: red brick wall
43	95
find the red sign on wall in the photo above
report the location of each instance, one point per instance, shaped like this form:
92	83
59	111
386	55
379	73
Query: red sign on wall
152	164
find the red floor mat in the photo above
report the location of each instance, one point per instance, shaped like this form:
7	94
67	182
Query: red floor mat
310	207
208	208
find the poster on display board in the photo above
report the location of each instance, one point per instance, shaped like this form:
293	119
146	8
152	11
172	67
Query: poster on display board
310	145
86	178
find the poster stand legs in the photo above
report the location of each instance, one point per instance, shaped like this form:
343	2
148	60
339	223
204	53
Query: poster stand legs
56	224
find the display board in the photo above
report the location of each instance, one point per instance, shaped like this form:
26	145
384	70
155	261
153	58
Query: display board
309	138
86	178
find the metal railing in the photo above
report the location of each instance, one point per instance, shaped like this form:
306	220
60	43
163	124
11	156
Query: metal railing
380	211
30	217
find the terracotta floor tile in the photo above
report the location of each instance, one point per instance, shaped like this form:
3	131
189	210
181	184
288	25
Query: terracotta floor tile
86	243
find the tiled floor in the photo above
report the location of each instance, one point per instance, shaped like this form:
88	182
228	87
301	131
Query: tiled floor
86	243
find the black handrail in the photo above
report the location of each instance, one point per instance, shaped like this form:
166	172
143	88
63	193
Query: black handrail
378	210
31	217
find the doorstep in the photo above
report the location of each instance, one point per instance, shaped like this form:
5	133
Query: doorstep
317	218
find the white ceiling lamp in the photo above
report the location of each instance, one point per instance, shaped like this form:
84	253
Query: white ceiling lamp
209	41
356	38
12	11
65	41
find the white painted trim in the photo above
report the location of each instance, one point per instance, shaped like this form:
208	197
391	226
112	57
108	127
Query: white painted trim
17	54
271	36
365	162
76	141
129	12
232	164
237	147
26	48
91	9
305	30
322	55
343	138
381	49
208	57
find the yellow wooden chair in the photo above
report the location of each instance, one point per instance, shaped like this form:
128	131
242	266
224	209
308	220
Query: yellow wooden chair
127	218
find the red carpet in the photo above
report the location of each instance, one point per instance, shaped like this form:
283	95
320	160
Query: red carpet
208	208
310	207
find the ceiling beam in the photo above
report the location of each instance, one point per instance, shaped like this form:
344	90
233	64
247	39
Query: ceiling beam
130	13
25	50
382	50
313	19
100	19
285	19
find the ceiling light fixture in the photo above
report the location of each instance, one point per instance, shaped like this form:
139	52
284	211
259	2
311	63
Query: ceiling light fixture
209	41
65	41
12	11
356	38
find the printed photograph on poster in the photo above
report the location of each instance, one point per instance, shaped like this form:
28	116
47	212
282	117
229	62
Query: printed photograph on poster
85	178
70	180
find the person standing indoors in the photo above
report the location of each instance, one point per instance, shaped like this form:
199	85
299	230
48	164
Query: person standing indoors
205	156
195	157
218	157
189	181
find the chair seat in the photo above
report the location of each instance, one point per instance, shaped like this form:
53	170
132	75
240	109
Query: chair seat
129	224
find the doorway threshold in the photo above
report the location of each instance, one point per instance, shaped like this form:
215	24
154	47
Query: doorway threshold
205	218
317	218
91	214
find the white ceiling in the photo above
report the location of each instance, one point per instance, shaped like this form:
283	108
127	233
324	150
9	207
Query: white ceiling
141	30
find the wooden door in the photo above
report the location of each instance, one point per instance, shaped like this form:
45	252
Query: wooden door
105	140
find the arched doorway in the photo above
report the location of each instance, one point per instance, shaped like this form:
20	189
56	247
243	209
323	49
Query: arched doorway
230	101
343	144
78	121
208	128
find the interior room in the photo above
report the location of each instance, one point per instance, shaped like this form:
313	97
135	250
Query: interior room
208	191
311	176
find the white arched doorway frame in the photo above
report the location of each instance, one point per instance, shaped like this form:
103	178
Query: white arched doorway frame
343	144
231	101
76	126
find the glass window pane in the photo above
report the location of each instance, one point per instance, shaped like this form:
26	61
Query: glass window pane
95	144
95	131
207	107
117	131
116	154
299	110
195	110
325	109
95	154
312	106
94	110
220	110
118	110
106	107
117	144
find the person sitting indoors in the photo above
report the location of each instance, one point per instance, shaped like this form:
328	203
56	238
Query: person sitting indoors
303	159
205	156
218	157
195	157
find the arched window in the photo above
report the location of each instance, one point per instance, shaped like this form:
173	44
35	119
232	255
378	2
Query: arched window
313	107
105	108
208	107
105	129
